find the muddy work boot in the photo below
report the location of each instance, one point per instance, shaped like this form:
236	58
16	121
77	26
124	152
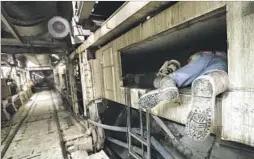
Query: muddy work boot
204	91
167	91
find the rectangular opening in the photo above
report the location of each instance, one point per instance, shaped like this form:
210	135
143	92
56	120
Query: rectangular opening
207	32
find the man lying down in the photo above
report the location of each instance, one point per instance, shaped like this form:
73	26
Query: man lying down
206	72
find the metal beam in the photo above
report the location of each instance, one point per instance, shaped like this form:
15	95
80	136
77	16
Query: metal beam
9	25
10	41
72	55
35	50
34	43
124	18
84	10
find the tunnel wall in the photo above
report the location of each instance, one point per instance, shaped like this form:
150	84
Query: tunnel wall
240	52
238	102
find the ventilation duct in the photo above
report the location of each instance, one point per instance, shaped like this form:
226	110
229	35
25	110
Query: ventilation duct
58	27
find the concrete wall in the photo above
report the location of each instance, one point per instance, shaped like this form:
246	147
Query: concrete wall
240	51
238	103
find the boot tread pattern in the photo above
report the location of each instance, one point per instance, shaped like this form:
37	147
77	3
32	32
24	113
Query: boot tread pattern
199	120
153	98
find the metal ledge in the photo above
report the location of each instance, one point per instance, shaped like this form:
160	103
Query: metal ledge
123	19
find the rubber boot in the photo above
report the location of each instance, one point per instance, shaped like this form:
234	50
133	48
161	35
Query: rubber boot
167	91
204	91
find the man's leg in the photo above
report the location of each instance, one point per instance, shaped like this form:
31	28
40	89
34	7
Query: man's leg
167	90
204	91
186	75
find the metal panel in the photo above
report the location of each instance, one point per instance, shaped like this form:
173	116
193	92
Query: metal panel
108	73
238	117
9	25
84	9
82	61
240	45
97	75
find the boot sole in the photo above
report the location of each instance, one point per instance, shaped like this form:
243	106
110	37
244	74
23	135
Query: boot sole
200	118
151	99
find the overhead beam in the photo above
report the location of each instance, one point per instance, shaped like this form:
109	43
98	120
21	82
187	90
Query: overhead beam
124	18
34	50
34	43
39	68
9	25
84	10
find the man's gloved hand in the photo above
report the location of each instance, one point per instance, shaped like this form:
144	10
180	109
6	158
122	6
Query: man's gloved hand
168	67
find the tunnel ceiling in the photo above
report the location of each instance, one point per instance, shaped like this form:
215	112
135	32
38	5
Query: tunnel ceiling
29	13
24	27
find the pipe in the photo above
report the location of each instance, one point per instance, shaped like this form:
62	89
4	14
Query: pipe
125	145
112	128
108	127
138	150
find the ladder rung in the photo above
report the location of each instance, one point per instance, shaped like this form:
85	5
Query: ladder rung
138	137
135	155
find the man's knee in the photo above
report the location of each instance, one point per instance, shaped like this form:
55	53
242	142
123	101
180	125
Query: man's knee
218	79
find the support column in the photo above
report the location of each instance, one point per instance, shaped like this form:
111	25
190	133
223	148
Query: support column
240	32
73	89
238	102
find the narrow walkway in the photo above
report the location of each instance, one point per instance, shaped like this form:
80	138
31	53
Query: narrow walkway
48	131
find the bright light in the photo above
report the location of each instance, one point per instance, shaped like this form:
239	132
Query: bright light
5	70
30	64
56	56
